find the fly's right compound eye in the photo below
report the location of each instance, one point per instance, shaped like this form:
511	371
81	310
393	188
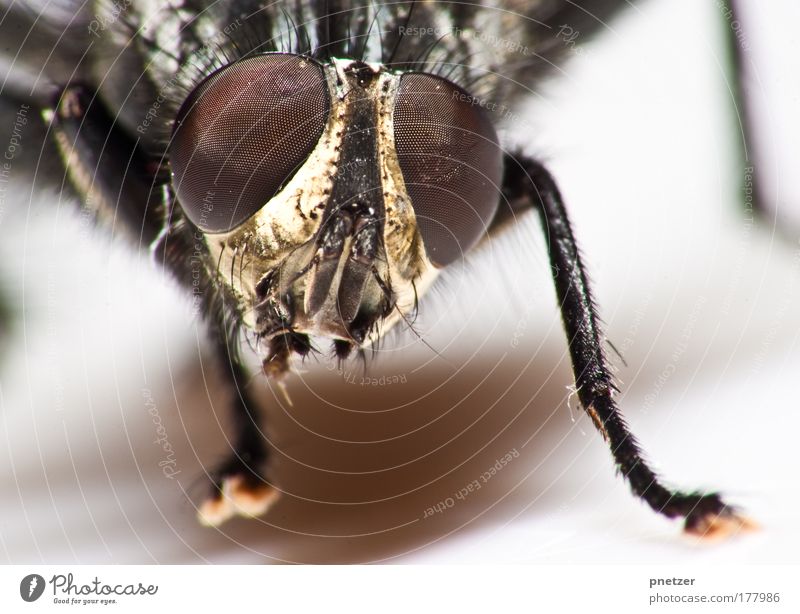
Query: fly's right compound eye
451	162
242	134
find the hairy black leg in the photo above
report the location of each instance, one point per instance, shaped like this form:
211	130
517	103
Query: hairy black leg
238	483
527	183
127	189
114	177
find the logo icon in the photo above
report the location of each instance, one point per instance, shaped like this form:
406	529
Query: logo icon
31	587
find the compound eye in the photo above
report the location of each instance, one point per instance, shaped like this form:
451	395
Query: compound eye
451	163
242	134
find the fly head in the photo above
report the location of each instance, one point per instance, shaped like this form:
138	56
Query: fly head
331	195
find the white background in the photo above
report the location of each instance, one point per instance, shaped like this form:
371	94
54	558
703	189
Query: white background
639	133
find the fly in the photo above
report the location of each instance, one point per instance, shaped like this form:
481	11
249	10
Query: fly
306	170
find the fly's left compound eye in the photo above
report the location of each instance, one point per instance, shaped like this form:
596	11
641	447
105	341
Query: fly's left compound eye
451	163
242	134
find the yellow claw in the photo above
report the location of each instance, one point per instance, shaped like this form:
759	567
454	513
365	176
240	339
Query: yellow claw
716	528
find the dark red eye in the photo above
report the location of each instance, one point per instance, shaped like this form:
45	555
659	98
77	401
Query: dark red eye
242	134
451	162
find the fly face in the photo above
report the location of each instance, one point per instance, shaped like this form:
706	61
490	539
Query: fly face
332	194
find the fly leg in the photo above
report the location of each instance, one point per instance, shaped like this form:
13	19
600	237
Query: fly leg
528	184
238	483
117	182
130	192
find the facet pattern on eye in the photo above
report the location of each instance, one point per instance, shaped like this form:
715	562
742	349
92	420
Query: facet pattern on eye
451	163
243	133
